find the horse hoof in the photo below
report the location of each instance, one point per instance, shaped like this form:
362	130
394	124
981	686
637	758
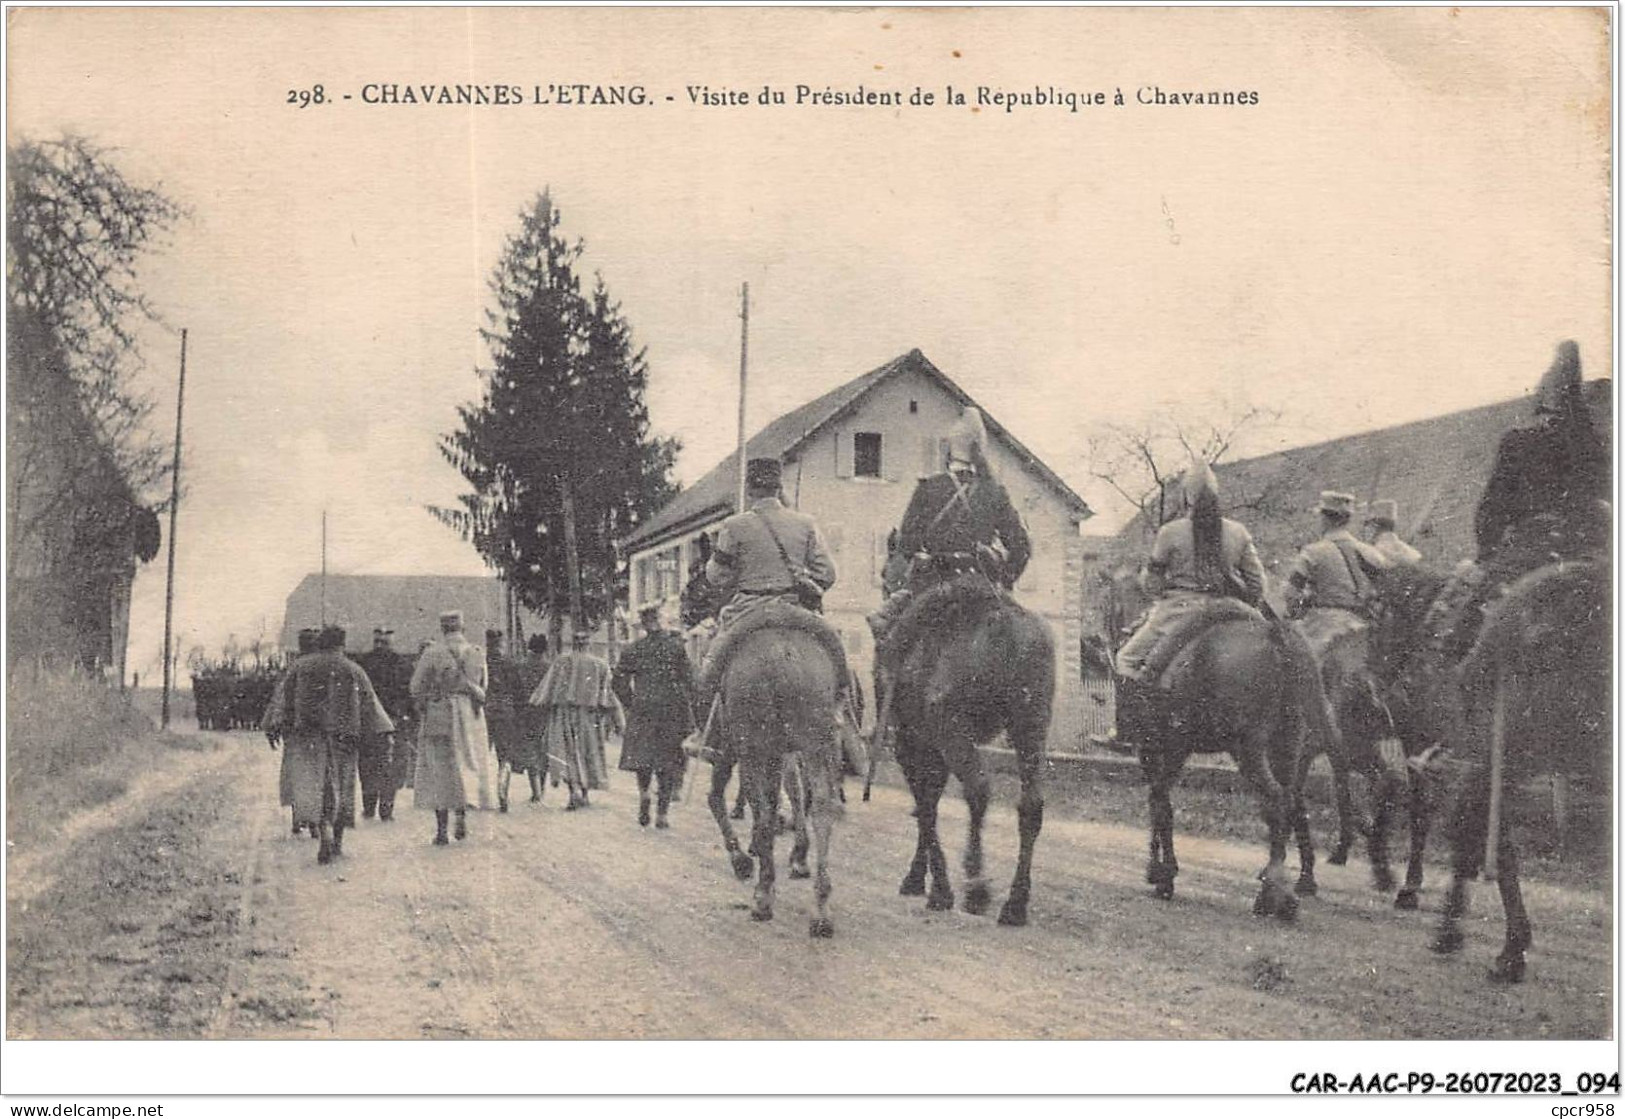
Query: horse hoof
742	866
1448	941
761	914
441	840
324	856
1264	903
1382	878
1164	890
737	814
1287	908
977	899
799	871
821	928
913	886
1013	914
1306	887
940	901
1339	857
1406	900
1508	969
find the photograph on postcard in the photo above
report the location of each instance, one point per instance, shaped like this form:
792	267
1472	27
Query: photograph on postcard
810	524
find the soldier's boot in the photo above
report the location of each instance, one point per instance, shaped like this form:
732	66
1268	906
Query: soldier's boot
460	829
386	807
504	779
535	785
297	826
710	748
338	840
369	805
440	839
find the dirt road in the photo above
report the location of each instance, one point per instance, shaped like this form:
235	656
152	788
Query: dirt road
190	911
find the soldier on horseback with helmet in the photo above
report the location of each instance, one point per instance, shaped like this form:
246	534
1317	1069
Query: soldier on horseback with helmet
958	521
1203	566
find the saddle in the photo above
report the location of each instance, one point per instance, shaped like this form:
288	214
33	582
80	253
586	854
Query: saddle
935	609
773	614
1164	664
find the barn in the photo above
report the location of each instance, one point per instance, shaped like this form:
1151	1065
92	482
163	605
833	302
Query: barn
852	457
410	605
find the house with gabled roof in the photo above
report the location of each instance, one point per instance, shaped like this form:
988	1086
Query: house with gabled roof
851	459
409	605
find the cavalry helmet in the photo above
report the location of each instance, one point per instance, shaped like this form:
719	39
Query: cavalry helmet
1199	479
967	439
1559	388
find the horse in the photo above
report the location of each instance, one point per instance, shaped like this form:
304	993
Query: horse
1249	688
970	662
1534	696
778	701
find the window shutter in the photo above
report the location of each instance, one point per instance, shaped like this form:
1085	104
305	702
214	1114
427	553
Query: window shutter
843	453
889	465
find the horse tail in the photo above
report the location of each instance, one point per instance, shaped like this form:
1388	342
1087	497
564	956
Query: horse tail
1307	690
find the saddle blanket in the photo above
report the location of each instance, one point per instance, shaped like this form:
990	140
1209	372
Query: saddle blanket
1174	621
1323	626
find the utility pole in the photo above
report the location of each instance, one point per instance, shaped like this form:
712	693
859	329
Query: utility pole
744	336
324	568
174	507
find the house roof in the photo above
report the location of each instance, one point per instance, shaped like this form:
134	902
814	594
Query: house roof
1435	469
713	495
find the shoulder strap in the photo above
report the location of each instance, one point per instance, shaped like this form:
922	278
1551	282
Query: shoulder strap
789	568
1362	583
961	493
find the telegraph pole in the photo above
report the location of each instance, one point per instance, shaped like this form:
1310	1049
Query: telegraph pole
324	568
174	507
744	336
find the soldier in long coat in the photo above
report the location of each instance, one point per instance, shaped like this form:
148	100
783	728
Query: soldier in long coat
578	709
506	719
655	684
454	749
381	773
328	708
270	723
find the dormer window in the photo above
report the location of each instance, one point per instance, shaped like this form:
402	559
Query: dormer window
866	454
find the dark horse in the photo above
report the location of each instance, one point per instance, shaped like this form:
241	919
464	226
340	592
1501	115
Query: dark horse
1535	697
778	707
970	662
1249	688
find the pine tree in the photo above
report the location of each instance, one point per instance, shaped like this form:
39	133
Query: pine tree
557	449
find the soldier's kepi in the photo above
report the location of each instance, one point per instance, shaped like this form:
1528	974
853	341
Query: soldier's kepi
766	554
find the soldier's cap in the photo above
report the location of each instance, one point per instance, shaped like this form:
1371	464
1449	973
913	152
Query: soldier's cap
452	618
381	632
1338	504
1199	479
1382	512
649	612
764	473
331	637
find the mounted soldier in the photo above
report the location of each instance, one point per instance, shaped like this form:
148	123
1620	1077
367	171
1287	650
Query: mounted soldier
958	521
1329	587
1203	568
1546	501
1382	522
766	554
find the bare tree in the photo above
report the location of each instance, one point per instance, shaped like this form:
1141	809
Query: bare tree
1143	463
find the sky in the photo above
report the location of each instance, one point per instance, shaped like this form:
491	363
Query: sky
1407	221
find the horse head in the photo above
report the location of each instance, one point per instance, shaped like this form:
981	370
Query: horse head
1402	595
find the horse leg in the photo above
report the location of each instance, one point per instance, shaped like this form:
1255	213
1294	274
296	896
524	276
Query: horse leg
763	776
1385	788
796	788
1348	820
721	773
1273	896
1419	812
914	881
1468	826
1162	868
1028	743
1306	886
967	766
1510	964
823	811
933	781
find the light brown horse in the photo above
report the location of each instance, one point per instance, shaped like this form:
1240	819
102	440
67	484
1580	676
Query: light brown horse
1535	698
779	700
